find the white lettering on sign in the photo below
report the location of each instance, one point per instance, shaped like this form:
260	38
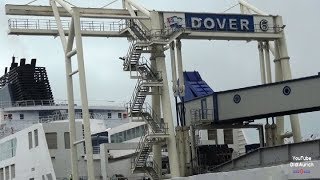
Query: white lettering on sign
222	24
209	23
196	22
233	24
244	23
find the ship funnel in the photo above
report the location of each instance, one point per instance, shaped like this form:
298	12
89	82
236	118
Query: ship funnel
5	70
33	62
22	61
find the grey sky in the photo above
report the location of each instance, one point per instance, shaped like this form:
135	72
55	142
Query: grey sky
224	65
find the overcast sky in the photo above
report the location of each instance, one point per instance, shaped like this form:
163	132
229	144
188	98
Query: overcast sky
223	65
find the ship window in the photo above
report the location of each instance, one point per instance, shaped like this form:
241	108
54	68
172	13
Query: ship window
204	109
124	115
228	136
212	134
119	115
30	139
67	140
125	138
1	174
142	130
21	116
129	135
8	149
120	137
109	115
112	139
36	140
7	173
13	171
49	176
138	131
9	116
52	140
133	131
116	137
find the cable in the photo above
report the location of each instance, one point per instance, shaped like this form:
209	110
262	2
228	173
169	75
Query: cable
31	2
231	7
109	3
69	3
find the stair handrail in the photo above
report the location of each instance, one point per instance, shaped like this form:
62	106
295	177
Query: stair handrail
163	127
154	166
142	143
138	149
127	57
134	94
141	27
156	75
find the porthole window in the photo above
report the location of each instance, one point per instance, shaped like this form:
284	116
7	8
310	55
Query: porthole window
286	90
237	98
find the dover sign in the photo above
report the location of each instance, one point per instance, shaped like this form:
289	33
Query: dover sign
219	22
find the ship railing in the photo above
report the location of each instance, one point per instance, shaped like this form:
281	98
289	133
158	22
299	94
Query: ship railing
27	103
201	115
50	102
65	116
50	24
96	149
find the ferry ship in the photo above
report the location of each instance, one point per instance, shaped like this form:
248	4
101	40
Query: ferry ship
35	142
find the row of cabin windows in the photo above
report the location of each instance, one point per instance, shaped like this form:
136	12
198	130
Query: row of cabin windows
36	139
9	116
52	140
120	115
227	134
9	172
128	134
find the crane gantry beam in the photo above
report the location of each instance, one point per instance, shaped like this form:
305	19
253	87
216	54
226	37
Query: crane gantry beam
28	10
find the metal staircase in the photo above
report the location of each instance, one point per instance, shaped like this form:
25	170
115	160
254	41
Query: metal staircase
156	133
134	54
148	83
136	29
148	79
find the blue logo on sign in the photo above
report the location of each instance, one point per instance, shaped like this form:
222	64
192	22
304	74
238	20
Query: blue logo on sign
175	22
220	22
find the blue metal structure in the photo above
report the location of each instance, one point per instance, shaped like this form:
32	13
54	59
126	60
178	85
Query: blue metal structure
195	87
